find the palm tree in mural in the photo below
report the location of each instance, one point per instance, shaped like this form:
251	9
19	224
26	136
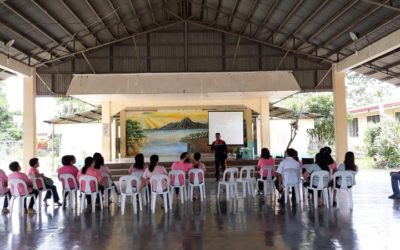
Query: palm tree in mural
134	136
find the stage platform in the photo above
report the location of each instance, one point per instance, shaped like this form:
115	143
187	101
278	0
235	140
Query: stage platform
120	167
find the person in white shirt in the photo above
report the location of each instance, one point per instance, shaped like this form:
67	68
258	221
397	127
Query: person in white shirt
288	163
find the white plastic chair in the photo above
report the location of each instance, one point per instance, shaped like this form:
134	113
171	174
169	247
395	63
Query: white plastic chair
107	183
145	189
84	184
318	182
15	194
231	184
268	183
67	189
3	191
195	174
177	175
246	178
130	190
347	180
156	186
291	178
35	181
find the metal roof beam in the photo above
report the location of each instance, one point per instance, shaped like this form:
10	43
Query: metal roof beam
233	13
99	19
217	11
266	18
330	21
135	14
109	43
365	34
62	26
77	19
152	12
348	28
30	22
383	5
372	51
118	17
249	15
291	12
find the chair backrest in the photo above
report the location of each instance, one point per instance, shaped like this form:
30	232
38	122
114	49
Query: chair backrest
267	171
230	172
16	185
344	179
37	183
197	175
159	183
319	179
138	173
85	182
291	176
66	179
133	183
107	182
247	172
177	178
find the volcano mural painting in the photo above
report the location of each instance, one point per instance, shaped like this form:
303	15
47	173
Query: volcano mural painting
167	132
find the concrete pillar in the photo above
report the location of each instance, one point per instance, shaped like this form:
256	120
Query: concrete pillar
122	124
340	113
29	120
106	121
249	127
114	135
264	119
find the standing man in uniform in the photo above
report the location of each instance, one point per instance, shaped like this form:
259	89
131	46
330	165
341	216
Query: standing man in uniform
220	152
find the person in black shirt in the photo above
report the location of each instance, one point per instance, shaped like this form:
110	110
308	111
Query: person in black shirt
221	153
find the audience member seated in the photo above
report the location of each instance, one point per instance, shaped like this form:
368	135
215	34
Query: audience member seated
288	163
326	152
88	169
265	160
185	164
153	169
320	164
395	178
16	174
68	168
199	165
34	172
104	170
4	184
139	165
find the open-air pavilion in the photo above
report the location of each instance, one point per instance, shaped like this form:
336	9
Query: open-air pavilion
150	54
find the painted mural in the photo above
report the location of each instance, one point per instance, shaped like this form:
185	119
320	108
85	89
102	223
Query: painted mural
168	132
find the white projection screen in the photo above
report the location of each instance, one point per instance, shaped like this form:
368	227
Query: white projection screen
229	124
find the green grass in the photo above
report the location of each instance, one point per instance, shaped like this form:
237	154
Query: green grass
365	163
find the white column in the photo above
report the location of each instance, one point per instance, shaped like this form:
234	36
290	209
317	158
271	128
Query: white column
29	120
249	127
340	113
106	133
264	119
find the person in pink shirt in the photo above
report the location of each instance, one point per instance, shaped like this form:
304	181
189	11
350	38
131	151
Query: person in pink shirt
105	171
153	169
139	165
4	184
16	174
197	165
68	168
88	169
265	160
185	164
34	172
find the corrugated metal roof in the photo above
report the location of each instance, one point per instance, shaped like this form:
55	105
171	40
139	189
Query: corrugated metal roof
316	34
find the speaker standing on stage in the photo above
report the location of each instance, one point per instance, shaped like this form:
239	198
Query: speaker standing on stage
221	153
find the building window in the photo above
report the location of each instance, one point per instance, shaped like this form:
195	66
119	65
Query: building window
353	127
374	118
397	116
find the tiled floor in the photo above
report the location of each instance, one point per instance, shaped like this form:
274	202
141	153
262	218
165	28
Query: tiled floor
249	223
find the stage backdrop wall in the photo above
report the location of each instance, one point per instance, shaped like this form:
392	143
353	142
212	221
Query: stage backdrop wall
167	132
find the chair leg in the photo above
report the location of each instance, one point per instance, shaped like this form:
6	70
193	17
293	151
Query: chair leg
134	204
201	193
315	197
101	200
286	194
153	202
326	197
169	200
165	202
218	190
83	197
183	195
123	198
140	201
350	198
106	197
227	191
11	204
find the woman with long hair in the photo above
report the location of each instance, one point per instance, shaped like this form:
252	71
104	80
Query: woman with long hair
88	169
138	165
266	159
153	169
